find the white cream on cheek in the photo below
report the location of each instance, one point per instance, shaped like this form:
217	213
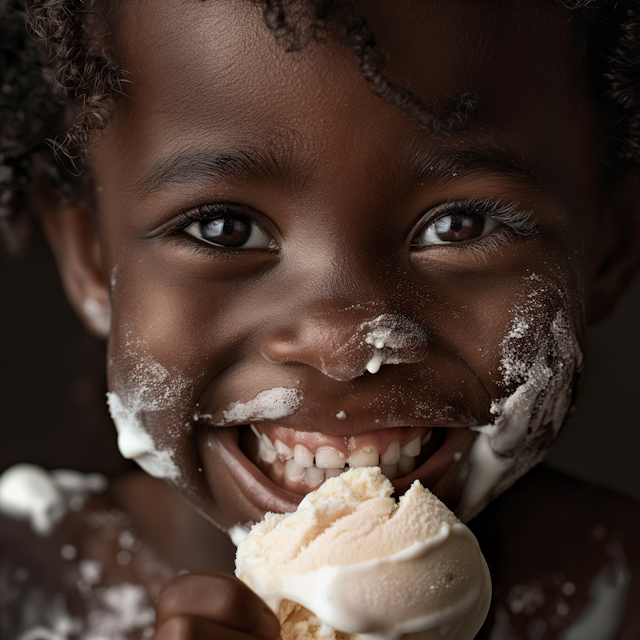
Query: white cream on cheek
148	390
540	355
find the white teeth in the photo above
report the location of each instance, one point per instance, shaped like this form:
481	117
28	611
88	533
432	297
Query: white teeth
315	476
329	458
303	456
367	456
406	465
302	465
284	452
389	470
412	448
391	455
294	471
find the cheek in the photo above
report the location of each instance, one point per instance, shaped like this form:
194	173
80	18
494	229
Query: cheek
540	361
147	402
150	391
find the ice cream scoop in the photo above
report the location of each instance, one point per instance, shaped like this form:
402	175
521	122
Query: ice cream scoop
350	563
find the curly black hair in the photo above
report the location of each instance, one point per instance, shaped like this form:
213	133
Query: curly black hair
58	75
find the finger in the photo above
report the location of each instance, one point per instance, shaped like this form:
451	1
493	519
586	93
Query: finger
220	598
190	628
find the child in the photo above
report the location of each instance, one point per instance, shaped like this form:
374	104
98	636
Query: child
364	228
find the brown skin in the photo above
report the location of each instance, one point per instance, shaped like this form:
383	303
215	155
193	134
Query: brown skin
343	207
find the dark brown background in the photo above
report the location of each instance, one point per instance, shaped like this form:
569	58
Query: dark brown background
52	386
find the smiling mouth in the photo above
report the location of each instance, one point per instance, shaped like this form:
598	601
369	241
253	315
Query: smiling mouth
299	461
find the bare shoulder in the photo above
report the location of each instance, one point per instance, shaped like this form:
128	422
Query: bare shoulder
561	554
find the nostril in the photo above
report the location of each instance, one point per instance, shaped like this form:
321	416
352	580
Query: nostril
395	339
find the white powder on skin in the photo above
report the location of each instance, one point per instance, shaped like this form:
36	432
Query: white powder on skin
151	388
528	420
272	404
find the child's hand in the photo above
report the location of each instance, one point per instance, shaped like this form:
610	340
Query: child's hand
212	607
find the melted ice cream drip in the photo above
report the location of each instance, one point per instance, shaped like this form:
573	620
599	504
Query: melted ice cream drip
529	419
272	404
29	492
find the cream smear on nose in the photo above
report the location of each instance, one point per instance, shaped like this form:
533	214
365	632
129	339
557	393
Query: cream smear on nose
150	388
528	420
390	336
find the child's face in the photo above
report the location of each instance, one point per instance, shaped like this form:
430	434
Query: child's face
344	226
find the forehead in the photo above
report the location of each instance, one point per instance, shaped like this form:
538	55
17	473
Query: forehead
211	74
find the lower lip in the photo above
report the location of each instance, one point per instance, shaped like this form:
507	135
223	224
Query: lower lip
265	495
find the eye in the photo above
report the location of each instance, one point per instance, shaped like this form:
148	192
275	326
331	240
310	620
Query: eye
455	227
231	231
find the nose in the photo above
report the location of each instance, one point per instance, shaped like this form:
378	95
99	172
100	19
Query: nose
346	343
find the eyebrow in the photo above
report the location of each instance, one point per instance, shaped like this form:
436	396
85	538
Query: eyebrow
447	164
286	159
283	159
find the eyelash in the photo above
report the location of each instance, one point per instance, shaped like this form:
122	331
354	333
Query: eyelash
515	220
202	213
519	221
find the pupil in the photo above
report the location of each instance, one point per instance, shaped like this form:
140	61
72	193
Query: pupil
459	227
226	232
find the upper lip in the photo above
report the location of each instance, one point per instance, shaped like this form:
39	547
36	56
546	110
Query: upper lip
353	424
377	404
